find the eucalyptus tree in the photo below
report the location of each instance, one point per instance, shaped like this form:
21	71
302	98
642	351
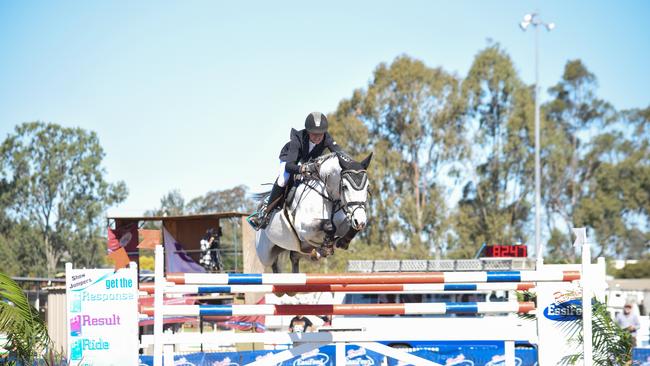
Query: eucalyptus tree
494	206
171	204
354	136
59	190
413	115
615	201
235	199
577	148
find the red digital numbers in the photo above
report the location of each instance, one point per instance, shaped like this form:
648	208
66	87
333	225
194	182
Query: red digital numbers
517	251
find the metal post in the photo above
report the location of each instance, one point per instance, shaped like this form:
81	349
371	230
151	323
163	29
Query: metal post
159	288
538	184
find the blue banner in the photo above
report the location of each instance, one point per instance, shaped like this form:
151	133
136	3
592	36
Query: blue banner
641	357
446	353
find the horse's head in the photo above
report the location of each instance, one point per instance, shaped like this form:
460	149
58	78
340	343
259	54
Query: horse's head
353	190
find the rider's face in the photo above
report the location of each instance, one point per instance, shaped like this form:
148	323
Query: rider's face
316	138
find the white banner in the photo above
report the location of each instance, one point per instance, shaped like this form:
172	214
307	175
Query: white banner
102	314
559	312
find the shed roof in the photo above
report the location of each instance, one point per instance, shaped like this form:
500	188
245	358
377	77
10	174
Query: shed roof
218	215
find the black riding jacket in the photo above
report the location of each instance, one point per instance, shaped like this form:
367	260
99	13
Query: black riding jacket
297	149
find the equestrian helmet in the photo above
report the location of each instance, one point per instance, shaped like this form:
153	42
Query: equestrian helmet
316	122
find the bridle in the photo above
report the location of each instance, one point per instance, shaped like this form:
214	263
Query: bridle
358	180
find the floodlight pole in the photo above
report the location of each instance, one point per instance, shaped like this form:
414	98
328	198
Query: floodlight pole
538	173
534	20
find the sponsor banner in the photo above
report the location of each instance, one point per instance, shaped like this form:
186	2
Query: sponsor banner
102	316
558	305
445	353
641	356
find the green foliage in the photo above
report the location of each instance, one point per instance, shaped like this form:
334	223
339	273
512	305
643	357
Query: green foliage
234	199
494	206
640	269
147	262
573	156
612	346
26	332
410	116
54	188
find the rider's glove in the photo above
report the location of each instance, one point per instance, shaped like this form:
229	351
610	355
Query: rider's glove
308	170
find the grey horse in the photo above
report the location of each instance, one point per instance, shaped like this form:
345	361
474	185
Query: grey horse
327	211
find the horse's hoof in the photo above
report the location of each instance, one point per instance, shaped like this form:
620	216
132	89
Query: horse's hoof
315	255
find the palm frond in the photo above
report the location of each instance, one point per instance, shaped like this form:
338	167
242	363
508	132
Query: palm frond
26	332
612	345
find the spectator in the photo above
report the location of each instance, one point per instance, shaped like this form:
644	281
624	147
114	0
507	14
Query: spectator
327	320
300	324
628	321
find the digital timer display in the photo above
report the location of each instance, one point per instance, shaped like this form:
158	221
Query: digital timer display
516	251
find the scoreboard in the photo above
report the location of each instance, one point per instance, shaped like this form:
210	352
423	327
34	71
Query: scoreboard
510	251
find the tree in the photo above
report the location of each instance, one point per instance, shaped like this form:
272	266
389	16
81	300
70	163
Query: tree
354	136
494	206
410	117
234	199
584	151
171	204
58	188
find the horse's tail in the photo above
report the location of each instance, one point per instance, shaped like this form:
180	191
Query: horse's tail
260	196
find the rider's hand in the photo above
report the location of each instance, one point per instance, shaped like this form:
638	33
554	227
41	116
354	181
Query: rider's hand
308	170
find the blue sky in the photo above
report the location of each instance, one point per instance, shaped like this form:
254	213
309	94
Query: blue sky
200	95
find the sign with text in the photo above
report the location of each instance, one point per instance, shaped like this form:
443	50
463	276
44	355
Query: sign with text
102	316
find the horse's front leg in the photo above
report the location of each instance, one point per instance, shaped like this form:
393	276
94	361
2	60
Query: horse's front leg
275	267
344	242
295	261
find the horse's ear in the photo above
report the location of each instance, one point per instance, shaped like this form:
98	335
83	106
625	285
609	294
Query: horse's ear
366	161
344	160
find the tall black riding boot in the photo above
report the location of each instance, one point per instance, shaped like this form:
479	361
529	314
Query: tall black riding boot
261	220
275	198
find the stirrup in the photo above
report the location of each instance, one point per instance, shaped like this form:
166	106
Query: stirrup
258	220
253	221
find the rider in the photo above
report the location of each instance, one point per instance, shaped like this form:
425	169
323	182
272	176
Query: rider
303	145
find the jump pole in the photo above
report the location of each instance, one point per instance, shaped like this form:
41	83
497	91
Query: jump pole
406	288
346	309
371	278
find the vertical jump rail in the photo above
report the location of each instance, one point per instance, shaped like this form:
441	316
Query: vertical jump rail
587	294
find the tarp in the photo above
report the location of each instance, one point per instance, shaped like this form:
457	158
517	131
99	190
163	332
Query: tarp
176	258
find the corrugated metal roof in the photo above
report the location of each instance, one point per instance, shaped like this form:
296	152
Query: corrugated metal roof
218	215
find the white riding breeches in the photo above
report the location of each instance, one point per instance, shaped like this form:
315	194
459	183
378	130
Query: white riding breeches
283	177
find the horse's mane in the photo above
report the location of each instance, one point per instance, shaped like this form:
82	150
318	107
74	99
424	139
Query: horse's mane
321	159
349	162
346	161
